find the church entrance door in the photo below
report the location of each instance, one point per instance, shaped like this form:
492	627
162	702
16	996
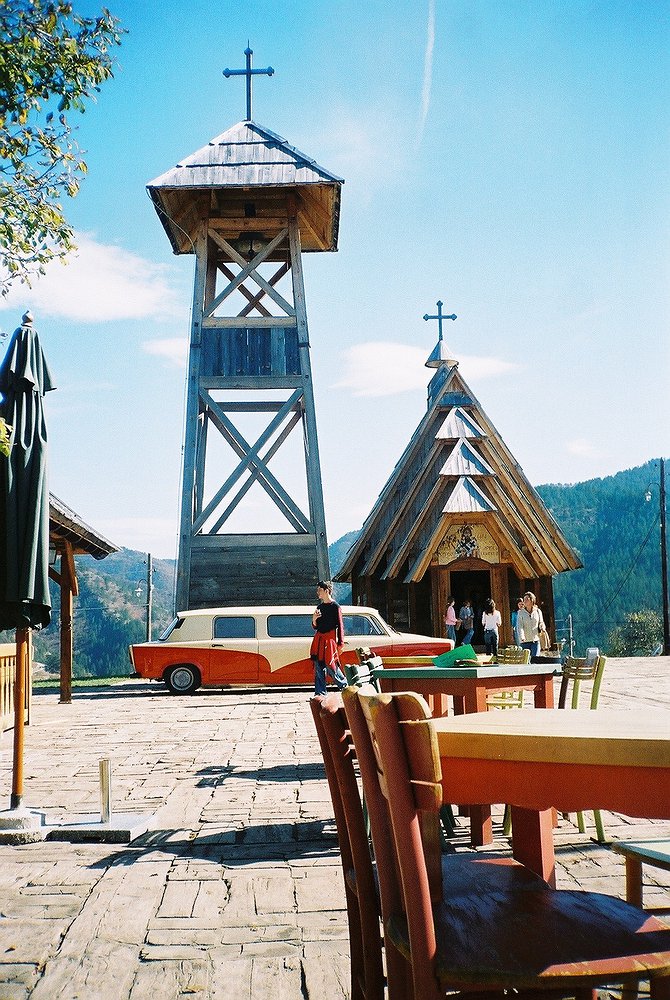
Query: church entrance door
475	584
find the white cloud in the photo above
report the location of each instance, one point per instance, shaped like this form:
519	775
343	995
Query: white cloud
98	283
172	349
582	448
380	368
355	145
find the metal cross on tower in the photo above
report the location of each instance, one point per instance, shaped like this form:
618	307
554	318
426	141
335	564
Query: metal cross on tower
439	319
248	72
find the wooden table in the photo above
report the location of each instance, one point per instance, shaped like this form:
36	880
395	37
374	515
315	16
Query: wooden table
570	760
468	686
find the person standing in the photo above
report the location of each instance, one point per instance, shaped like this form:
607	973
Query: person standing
491	620
515	615
466	617
328	639
530	623
450	619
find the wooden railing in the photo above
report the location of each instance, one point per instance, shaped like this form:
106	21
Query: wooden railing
7	681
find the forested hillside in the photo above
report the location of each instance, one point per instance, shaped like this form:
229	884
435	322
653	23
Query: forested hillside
109	614
616	533
614	530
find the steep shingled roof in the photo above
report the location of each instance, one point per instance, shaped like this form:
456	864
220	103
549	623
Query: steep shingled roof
456	467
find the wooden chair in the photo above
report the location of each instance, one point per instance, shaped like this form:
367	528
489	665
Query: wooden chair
513	654
509	656
488	925
575	670
363	912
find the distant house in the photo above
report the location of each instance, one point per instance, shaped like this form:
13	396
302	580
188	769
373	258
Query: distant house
457	516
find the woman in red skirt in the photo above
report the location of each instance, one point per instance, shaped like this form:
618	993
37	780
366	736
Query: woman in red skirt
328	639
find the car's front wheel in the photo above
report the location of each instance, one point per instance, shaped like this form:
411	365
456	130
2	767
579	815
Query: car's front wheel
183	679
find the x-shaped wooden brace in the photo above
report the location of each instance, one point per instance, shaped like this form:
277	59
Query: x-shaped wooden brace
248	270
252	462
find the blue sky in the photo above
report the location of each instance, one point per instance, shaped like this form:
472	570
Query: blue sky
510	159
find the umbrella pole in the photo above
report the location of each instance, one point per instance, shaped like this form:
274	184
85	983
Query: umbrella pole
22	646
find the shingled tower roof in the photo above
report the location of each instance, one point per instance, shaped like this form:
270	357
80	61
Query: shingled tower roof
243	175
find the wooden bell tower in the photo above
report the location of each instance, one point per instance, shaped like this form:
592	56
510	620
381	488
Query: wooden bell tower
252	530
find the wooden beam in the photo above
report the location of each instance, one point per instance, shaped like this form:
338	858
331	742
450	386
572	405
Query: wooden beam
247	322
68	588
252	300
248	270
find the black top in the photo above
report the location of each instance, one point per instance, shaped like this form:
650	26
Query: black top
330	619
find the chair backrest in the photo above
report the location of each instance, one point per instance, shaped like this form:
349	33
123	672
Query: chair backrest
360	886
407	772
513	654
576	669
361	673
388	874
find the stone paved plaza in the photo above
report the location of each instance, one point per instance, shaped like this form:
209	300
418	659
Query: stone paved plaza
236	890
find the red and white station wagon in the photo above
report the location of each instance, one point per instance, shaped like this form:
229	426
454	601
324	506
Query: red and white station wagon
217	647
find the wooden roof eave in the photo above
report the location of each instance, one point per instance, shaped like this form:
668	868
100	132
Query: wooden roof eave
548	556
541	562
393	568
545	525
67	526
422	561
377	553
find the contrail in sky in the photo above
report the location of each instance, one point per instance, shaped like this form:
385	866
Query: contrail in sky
428	65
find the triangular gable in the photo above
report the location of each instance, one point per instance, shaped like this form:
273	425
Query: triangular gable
465	460
467	498
459	424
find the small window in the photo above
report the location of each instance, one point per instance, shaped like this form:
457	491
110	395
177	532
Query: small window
290	626
361	625
232	627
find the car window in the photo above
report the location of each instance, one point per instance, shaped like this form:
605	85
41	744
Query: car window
290	626
235	627
361	625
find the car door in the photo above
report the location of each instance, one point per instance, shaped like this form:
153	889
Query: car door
284	654
234	656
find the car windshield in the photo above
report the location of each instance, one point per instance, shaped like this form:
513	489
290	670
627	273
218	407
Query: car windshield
175	623
361	625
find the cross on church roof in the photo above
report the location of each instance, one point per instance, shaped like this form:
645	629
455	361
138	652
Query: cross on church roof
440	316
248	72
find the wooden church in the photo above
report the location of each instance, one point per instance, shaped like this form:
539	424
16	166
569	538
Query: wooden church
457	517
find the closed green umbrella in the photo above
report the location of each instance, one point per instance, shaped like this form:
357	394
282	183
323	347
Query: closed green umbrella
24	512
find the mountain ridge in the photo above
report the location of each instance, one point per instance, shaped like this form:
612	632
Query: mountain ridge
606	520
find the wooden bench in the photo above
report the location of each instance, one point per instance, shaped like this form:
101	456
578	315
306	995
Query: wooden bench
636	854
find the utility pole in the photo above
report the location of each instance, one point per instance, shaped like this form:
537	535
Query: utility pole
664	565
150	589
